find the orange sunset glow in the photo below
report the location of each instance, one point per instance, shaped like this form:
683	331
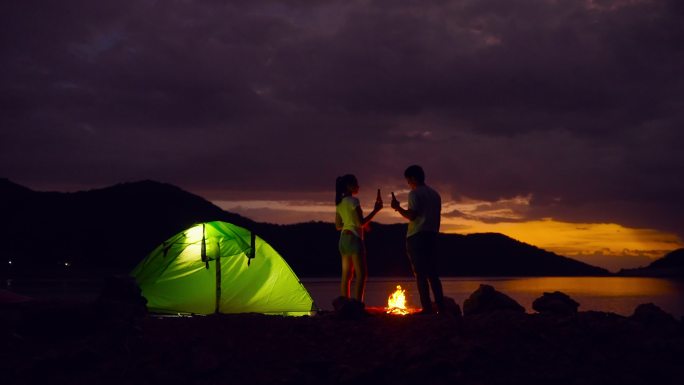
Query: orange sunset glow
608	245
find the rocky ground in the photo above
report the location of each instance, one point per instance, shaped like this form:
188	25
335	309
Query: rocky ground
112	342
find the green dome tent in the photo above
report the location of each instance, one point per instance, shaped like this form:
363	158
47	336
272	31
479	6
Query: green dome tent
217	267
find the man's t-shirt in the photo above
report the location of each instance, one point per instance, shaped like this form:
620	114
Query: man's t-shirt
427	204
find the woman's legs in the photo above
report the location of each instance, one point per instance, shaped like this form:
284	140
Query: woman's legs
361	273
347	272
353	255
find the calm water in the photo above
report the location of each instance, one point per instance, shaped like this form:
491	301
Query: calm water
614	294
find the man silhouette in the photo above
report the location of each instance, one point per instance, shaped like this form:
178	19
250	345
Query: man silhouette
423	213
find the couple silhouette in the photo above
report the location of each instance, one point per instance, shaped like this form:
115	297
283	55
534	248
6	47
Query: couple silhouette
423	215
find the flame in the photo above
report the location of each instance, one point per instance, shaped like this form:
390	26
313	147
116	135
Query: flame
396	303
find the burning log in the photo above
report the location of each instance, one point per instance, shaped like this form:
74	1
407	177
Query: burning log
396	303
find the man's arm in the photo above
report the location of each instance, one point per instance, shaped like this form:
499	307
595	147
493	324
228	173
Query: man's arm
406	213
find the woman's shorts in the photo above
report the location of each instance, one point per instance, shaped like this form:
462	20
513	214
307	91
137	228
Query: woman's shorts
350	244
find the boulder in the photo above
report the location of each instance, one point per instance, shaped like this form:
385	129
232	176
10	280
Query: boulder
121	289
120	305
450	308
556	303
650	315
349	308
486	299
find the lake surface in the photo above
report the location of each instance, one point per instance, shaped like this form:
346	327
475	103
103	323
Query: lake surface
613	294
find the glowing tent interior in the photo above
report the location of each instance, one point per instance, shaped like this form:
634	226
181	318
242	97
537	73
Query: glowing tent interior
217	267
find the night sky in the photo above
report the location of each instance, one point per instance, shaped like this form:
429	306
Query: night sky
557	122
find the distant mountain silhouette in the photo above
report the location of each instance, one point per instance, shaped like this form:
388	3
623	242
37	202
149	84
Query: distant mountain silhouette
671	265
113	228
312	248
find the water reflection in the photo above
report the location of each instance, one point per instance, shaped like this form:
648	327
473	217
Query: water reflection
614	294
601	286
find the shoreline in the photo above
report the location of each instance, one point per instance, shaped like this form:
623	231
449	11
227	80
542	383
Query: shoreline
615	294
108	343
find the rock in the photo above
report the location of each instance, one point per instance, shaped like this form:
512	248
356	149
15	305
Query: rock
650	315
122	291
121	305
122	288
349	308
450	308
555	303
486	299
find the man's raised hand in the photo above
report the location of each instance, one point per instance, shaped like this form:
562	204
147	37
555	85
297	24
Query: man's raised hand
395	202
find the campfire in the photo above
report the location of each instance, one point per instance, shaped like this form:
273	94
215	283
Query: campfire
396	303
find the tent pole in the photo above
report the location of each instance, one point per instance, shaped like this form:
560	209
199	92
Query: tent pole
218	277
204	248
252	250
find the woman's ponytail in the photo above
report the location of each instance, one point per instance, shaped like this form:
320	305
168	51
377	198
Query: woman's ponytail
341	185
340	189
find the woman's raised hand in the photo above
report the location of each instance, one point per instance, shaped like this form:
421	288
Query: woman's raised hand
378	202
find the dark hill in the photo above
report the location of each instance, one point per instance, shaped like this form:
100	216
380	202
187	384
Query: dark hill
671	265
114	228
311	250
111	227
672	260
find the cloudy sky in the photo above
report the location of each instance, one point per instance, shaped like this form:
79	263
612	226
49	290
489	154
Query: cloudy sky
557	122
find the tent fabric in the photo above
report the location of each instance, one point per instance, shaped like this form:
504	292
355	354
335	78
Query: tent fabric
211	267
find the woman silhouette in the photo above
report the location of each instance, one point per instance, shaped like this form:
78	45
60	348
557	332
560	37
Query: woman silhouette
350	221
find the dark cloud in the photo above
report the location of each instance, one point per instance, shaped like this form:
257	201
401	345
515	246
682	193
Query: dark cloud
578	104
